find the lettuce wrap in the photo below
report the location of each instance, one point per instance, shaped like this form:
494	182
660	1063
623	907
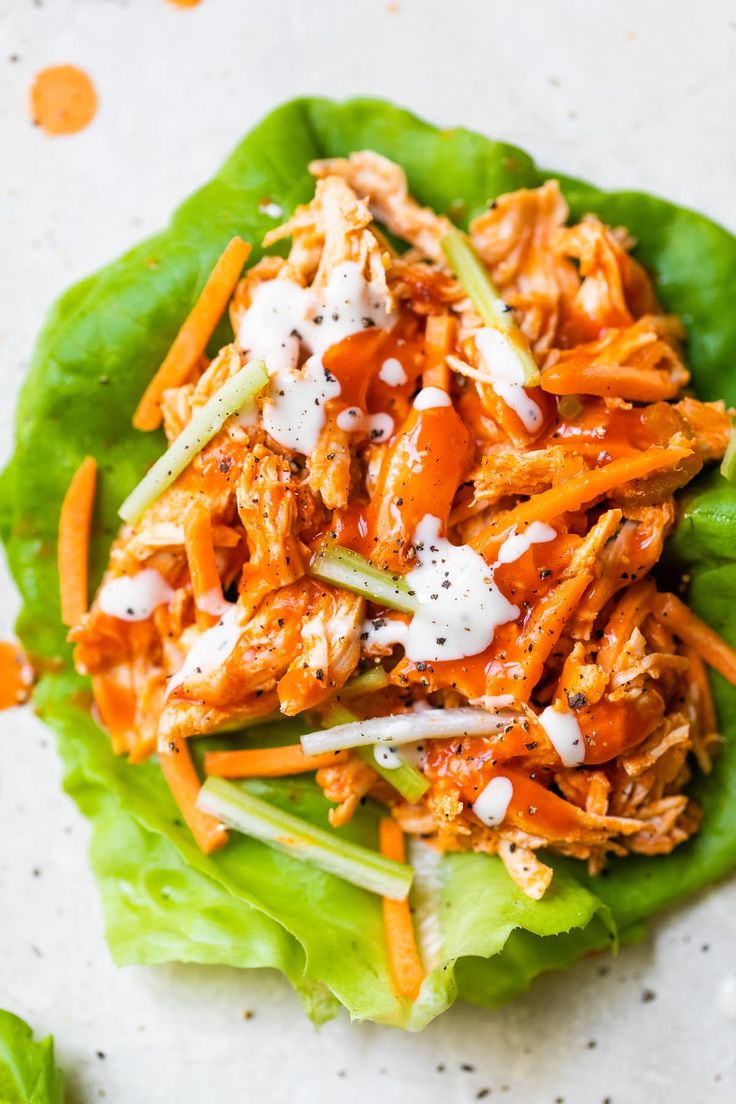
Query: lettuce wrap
249	905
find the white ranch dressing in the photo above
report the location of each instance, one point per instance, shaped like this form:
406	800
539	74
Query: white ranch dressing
270	208
212	602
392	372
135	597
564	733
431	397
379	426
386	757
516	544
460	605
351	419
211	649
492	804
506	376
282	319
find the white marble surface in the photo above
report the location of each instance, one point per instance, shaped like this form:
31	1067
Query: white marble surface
628	92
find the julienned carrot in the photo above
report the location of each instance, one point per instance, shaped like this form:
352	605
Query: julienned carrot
268	762
439	337
403	955
198	327
692	631
627	616
75	522
200	549
183	781
116	705
578	491
620	380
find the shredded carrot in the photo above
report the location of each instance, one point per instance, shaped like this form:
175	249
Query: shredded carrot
268	762
683	623
16	675
183	780
438	341
578	491
403	955
75	523
627	616
200	549
116	707
198	327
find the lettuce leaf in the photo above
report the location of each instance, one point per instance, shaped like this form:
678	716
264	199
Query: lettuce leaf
28	1074
248	905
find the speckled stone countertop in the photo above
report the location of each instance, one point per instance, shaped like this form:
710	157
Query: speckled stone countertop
626	93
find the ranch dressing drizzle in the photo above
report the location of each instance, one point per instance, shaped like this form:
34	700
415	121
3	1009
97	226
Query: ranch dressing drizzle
492	804
392	372
506	376
282	319
134	597
564	733
386	757
460	606
211	649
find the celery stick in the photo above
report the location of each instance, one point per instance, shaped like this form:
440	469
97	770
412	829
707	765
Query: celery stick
405	779
368	869
485	297
367	683
728	464
350	570
229	399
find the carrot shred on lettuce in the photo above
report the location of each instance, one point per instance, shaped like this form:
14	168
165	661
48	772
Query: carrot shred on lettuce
183	781
75	523
198	327
406	966
272	762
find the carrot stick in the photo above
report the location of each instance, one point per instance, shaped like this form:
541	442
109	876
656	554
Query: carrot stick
675	615
627	616
198	327
181	776
75	522
200	549
268	762
578	491
403	955
620	380
439	337
116	707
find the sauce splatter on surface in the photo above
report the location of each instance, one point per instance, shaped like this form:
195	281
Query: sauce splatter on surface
16	675
184	3
63	100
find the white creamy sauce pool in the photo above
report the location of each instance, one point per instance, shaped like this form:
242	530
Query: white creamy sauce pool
285	318
460	605
392	372
564	733
431	397
135	597
506	376
211	649
492	804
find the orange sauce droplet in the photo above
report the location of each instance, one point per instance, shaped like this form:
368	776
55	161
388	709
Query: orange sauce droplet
16	675
184	3
63	99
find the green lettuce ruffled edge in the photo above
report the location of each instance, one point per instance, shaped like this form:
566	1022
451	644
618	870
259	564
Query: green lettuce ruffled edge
28	1072
248	905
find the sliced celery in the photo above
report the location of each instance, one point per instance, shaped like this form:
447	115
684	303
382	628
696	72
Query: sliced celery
728	464
240	810
230	398
405	728
350	570
367	683
405	779
485	297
